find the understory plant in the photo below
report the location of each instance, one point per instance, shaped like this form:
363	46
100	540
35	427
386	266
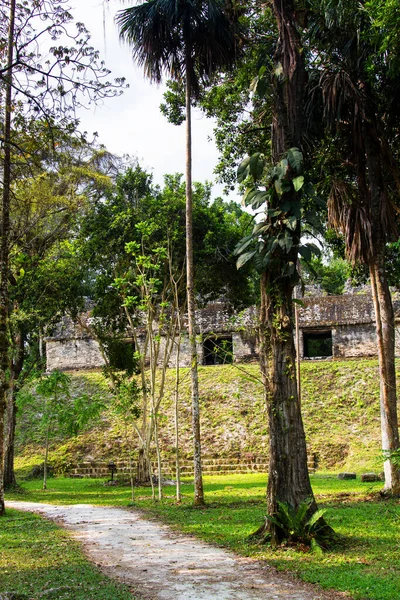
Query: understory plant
297	527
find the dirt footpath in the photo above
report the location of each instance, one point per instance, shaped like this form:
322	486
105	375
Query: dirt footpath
162	565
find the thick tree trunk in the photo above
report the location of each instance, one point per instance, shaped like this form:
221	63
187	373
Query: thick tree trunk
4	249
288	479
198	478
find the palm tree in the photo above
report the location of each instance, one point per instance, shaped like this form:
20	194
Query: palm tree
359	110
188	40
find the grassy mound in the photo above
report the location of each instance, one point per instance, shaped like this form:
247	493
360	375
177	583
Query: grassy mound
340	403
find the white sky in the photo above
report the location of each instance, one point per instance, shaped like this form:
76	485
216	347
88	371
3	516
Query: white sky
132	124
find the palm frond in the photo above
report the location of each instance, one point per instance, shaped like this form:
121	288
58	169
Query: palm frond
162	33
341	97
348	216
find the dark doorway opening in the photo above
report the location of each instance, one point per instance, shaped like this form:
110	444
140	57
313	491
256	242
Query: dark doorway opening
218	350
317	344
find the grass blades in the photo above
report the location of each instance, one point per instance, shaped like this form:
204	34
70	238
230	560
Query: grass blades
366	565
38	559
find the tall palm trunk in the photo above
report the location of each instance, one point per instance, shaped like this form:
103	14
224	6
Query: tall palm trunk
384	313
384	317
198	479
4	249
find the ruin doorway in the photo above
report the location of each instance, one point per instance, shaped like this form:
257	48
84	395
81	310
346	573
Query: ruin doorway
218	350
317	344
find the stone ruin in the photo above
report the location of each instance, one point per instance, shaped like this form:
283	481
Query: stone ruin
329	327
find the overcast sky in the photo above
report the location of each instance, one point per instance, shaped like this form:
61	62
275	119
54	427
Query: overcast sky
133	123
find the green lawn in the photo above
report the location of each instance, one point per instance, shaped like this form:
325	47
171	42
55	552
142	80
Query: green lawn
39	560
366	564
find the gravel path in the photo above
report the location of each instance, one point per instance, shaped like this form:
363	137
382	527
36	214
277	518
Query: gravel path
160	564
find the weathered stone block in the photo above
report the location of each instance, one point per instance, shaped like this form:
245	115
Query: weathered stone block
347	476
369	477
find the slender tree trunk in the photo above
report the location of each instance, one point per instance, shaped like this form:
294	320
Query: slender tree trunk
380	215
288	479
9	472
198	478
131	477
4	249
143	465
176	410
158	455
46	457
385	333
16	369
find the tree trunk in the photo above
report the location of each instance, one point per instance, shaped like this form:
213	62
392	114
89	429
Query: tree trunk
385	333
46	458
4	248
16	369
176	420
198	478
382	219
143	466
9	473
288	479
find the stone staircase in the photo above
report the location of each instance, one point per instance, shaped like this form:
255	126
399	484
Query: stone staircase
211	466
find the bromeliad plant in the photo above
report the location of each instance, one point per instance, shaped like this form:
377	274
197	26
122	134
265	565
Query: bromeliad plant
297	527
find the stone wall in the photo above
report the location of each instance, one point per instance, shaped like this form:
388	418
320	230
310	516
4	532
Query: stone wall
350	342
210	466
349	318
73	354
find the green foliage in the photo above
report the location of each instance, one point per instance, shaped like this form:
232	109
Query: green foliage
49	410
182	39
275	240
110	227
330	274
296	526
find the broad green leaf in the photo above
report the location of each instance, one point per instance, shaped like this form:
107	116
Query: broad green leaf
315	517
274	212
314	249
256	165
278	186
298	182
244	258
243	244
259	199
249	195
243	170
292	222
295	158
305	252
